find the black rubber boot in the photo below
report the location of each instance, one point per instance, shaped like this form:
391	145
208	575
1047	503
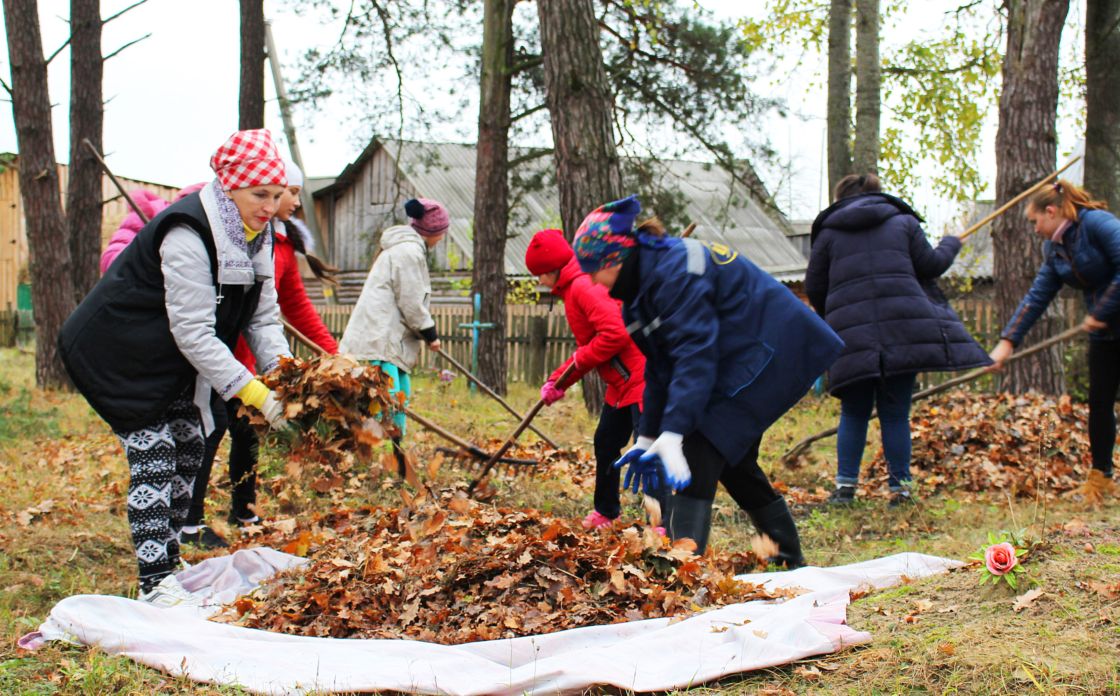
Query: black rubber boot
775	521
690	518
398	451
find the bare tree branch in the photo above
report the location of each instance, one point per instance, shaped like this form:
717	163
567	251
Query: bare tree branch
130	43
525	65
963	67
5	86
134	5
66	43
529	157
527	113
59	50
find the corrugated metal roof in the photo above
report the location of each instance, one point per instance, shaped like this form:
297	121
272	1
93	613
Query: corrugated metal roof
976	257
723	212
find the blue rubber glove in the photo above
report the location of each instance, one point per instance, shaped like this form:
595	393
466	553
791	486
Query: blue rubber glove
667	451
639	475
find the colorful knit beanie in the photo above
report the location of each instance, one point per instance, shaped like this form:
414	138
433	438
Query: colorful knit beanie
249	158
548	251
427	217
606	236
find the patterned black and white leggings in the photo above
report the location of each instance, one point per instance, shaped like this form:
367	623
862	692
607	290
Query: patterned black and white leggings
163	460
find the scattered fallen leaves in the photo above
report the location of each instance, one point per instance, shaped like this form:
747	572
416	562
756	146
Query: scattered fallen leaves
1026	444
763	546
1103	589
450	570
1026	599
27	516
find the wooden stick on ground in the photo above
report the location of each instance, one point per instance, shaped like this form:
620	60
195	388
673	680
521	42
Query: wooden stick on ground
1014	201
467	373
797	450
473	450
520	429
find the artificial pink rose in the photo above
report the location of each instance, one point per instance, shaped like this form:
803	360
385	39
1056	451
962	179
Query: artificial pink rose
1000	558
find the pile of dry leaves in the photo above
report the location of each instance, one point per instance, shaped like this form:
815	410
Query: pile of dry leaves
451	570
339	410
1024	444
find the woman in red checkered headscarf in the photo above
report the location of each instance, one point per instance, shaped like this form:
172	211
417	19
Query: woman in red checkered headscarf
155	336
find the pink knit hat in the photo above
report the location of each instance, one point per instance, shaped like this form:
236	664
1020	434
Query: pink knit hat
427	217
249	158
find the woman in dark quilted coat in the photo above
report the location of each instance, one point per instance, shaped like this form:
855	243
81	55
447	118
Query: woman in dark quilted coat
872	277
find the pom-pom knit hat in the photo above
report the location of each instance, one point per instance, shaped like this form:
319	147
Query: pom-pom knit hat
548	251
249	158
606	236
427	217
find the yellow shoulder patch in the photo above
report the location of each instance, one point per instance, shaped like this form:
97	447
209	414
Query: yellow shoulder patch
721	253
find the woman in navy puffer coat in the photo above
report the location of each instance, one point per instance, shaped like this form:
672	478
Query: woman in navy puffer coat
872	277
1082	250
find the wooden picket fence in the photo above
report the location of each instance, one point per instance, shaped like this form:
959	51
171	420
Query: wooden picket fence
538	339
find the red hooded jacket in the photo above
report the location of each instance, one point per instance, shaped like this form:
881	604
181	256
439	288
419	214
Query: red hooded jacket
294	305
596	322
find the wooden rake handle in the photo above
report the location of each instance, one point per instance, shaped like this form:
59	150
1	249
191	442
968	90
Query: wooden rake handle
797	450
517	432
1016	200
467	373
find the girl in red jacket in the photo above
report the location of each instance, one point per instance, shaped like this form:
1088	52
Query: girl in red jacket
596	322
291	236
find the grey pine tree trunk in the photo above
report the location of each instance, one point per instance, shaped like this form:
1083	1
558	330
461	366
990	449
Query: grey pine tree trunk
579	105
865	153
250	105
1026	152
491	188
52	292
839	115
83	191
1102	100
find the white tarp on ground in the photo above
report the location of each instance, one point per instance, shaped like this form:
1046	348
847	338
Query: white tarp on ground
652	655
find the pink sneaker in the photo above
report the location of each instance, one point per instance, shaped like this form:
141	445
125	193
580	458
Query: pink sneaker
596	520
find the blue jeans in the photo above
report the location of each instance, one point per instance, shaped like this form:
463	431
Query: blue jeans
892	396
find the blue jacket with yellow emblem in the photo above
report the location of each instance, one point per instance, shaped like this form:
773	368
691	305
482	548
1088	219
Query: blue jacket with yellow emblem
728	348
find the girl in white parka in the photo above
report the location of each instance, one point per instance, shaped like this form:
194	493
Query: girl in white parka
392	315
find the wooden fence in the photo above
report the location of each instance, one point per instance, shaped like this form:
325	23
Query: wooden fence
538	339
981	320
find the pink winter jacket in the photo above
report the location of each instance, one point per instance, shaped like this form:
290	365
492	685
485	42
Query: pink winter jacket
152	205
145	200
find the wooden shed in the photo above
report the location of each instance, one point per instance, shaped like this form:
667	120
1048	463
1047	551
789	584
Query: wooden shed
367	197
13	229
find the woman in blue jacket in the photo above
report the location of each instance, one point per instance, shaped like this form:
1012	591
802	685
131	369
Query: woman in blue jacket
872	277
1081	248
728	351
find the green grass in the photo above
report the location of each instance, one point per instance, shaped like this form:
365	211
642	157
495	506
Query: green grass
52	447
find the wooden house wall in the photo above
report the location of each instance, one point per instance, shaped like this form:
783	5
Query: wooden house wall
354	217
13	229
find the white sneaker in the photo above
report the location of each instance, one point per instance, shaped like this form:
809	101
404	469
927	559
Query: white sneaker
169	593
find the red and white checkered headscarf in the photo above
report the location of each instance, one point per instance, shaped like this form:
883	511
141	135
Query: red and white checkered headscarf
249	158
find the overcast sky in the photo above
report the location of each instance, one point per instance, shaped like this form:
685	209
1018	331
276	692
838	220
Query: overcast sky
172	98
